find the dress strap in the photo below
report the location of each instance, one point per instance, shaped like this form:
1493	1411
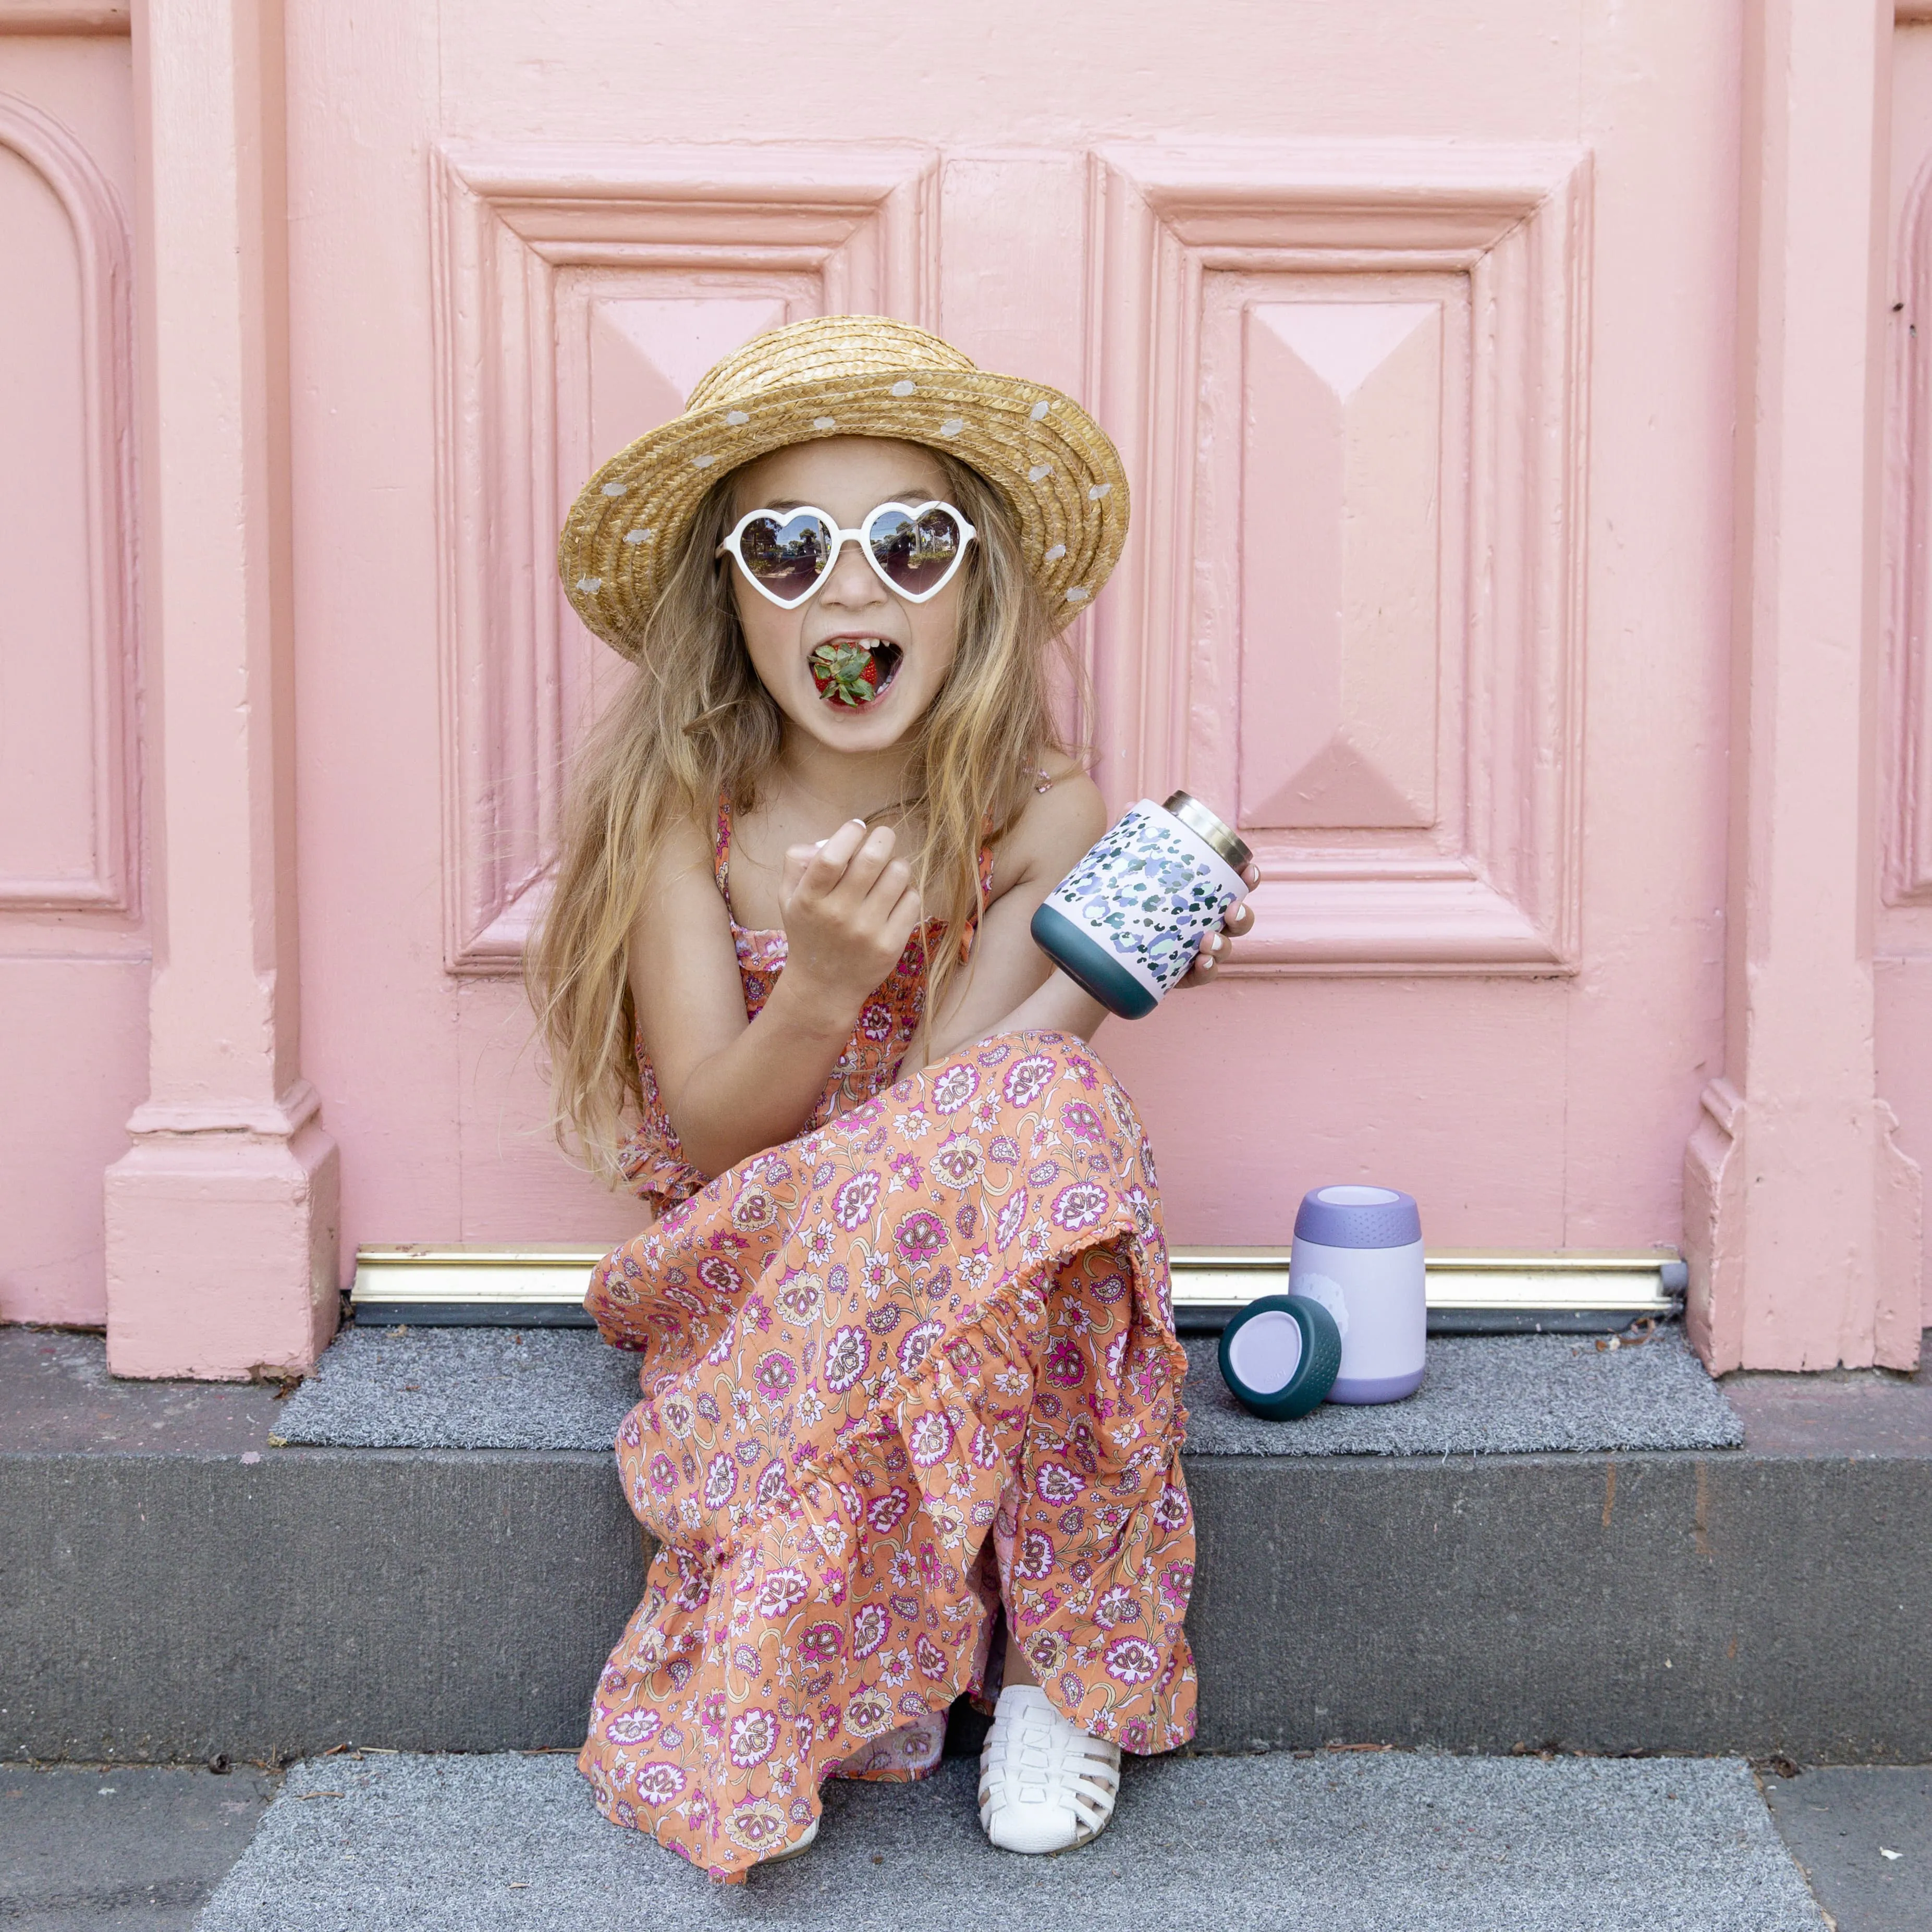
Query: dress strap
721	848
1045	783
972	931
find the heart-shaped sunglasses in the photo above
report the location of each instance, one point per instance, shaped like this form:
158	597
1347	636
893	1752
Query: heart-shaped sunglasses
913	549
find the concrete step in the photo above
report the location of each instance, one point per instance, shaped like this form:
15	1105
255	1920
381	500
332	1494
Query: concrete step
1380	1842
177	1587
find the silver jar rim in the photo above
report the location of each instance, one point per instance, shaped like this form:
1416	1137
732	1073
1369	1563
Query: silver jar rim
1212	831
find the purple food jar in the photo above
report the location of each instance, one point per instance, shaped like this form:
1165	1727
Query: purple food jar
1126	922
1358	1252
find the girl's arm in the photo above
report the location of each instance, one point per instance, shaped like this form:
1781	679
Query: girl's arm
1008	984
730	1086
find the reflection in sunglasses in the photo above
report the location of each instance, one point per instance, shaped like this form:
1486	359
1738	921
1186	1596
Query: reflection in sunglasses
914	550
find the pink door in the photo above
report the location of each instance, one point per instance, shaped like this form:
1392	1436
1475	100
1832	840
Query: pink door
1427	585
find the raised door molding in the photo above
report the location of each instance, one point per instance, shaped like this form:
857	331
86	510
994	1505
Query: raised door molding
67	652
1348	383
579	294
109	17
1906	827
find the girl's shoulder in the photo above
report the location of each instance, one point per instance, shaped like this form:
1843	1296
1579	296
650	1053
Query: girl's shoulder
689	836
1063	814
685	864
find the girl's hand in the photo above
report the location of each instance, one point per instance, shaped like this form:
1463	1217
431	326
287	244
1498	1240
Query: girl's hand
1214	947
849	908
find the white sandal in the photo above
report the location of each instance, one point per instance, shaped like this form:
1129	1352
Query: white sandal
1044	1785
791	1851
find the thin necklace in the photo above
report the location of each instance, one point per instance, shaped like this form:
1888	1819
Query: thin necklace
865	818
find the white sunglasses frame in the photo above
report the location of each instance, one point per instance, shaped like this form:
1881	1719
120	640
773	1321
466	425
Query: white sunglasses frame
841	537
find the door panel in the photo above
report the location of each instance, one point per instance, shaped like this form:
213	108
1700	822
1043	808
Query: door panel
580	295
1460	487
1339	488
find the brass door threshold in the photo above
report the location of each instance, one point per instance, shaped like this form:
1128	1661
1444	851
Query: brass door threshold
1471	1290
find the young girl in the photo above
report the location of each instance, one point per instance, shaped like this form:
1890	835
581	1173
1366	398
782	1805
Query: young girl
911	1419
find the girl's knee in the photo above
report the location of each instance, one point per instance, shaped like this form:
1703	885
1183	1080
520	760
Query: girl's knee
1032	1058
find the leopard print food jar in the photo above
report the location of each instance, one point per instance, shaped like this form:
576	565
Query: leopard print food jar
1126	922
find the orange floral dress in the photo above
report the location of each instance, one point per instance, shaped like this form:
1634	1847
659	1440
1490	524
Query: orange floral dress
915	1364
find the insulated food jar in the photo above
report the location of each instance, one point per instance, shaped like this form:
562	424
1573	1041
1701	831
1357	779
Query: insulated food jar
1358	1252
1125	923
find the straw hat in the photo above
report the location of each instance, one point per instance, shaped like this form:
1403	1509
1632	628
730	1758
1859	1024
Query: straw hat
848	375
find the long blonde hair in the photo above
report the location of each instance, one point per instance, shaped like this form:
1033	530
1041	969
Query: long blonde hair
693	724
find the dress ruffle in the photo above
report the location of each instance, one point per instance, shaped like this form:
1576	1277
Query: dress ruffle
913	1363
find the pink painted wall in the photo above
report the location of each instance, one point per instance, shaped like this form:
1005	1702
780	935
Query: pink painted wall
1426	332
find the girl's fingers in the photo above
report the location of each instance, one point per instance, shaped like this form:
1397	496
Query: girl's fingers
1237	918
870	855
902	921
1200	972
828	865
894	881
796	859
835	855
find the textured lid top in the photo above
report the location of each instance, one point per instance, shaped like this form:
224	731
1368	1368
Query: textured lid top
1358	1217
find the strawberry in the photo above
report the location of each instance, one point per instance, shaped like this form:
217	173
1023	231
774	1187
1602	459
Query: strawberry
845	672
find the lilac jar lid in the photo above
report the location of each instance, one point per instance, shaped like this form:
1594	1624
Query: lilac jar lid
1357	1217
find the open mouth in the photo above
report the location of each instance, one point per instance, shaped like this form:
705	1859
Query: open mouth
855	671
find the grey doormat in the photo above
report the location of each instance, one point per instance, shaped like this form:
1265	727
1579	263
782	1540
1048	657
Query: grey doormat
462	1388
1342	1842
562	1388
1491	1395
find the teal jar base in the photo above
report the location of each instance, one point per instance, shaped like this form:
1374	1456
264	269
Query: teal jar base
1089	966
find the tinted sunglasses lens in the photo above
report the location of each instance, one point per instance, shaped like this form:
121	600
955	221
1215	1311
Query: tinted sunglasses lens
786	556
915	554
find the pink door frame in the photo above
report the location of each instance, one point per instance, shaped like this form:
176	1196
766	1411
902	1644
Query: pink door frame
1793	1178
221	1216
1802	1214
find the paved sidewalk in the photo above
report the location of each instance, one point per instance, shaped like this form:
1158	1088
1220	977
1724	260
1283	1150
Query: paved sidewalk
1342	1841
1841	1822
132	1848
141	1848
